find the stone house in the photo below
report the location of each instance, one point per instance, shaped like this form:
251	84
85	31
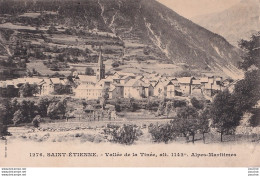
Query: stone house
89	92
196	88
185	85
135	88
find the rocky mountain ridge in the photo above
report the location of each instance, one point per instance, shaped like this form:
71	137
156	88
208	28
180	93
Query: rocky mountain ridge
141	30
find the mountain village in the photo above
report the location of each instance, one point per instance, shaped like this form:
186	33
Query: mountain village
119	85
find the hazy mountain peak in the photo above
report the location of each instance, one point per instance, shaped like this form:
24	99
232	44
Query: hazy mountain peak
236	23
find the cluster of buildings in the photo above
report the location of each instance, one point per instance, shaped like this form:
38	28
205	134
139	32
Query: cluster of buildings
119	85
125	85
129	85
46	86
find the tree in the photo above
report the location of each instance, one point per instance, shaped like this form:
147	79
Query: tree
6	111
133	106
14	105
252	49
62	107
57	109
57	75
105	96
52	29
28	90
25	90
224	113
161	107
28	110
115	64
126	134
60	57
2	115
196	103
52	111
118	105
42	105
34	89
247	90
187	122
36	121
168	108
89	71
164	132
3	126
18	117
146	50
62	89
203	122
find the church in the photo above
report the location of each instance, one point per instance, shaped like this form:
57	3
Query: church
90	79
90	86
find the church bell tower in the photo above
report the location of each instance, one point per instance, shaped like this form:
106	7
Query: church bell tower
101	67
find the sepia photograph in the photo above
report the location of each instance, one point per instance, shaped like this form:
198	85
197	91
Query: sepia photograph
129	83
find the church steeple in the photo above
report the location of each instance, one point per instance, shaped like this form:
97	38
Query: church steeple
101	67
100	58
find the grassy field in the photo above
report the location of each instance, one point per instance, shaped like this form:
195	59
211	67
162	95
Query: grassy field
40	67
83	130
43	69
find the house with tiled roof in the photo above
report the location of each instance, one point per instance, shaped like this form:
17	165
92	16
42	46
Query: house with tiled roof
217	84
196	87
211	85
159	89
8	88
88	91
137	89
166	88
170	90
185	84
49	86
46	87
86	79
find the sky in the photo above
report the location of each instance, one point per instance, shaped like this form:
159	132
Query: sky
193	8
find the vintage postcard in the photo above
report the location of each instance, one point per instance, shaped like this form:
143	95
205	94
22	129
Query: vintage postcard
129	83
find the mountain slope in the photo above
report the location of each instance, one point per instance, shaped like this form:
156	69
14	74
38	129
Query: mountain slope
178	38
136	30
235	23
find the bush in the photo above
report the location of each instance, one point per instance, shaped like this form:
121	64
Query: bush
5	131
152	105
146	50
36	121
118	108
18	117
115	64
179	103
126	134
42	106
255	118
134	107
89	71
162	133
196	103
28	90
128	104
